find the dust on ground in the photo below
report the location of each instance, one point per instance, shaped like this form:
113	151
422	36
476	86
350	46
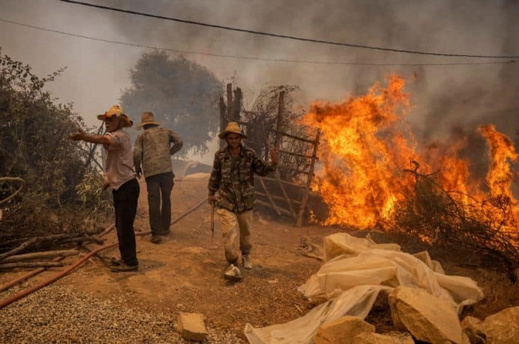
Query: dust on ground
184	274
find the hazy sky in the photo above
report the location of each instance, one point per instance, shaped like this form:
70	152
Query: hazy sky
442	95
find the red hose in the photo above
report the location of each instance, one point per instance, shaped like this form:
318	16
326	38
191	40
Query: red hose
52	279
22	278
39	270
72	267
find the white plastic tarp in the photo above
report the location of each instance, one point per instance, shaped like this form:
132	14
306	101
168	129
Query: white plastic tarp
354	272
356	302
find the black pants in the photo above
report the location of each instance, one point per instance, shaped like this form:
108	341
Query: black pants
159	187
125	204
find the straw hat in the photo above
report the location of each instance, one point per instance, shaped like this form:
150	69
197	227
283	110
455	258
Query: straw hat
117	112
232	127
146	118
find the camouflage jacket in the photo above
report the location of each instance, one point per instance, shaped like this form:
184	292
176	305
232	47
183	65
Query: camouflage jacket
233	178
152	150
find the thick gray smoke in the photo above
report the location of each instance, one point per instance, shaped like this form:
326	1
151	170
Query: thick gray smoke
443	96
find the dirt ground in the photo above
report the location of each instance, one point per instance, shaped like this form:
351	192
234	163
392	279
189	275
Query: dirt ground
184	274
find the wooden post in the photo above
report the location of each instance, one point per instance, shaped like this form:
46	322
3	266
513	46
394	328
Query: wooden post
229	104
223	121
308	181
236	105
281	115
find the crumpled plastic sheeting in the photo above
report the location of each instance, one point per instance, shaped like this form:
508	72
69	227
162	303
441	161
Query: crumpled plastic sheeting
365	263
342	244
357	301
354	272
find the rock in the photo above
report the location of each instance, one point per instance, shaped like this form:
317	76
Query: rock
465	338
404	337
425	316
191	326
503	327
342	330
375	338
473	329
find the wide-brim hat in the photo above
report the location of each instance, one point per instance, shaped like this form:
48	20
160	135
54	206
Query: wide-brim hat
232	127
146	118
116	111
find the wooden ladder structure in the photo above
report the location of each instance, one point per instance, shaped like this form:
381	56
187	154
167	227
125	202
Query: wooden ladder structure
290	204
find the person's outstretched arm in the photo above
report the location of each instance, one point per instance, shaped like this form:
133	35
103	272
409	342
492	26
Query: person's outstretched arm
82	136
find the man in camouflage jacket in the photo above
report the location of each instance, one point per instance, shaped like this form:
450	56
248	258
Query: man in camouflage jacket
231	188
153	151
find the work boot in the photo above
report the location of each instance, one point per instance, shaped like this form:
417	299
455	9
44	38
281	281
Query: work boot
115	262
123	267
247	263
156	239
232	273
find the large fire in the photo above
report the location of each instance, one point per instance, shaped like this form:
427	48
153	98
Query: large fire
367	145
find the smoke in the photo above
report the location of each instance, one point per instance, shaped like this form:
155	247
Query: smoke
443	96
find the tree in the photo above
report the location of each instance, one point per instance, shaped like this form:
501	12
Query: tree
182	95
33	133
34	146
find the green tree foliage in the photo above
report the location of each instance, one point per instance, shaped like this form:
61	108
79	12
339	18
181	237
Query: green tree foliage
182	95
34	145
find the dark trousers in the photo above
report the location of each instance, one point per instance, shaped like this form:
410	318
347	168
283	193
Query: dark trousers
159	187
125	204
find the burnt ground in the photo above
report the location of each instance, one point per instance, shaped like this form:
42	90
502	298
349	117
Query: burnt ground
184	274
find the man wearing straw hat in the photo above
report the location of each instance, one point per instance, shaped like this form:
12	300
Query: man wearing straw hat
120	176
153	151
231	189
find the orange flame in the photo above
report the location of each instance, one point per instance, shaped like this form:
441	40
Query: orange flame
502	151
367	145
362	154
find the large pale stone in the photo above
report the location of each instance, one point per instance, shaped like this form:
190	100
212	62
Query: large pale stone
473	329
342	330
503	327
191	326
427	317
375	338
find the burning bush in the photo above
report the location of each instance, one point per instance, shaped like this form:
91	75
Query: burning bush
366	150
485	230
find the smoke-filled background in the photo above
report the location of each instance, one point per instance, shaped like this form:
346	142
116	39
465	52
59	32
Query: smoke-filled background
446	92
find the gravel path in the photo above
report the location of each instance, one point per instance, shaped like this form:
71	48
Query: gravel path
59	314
